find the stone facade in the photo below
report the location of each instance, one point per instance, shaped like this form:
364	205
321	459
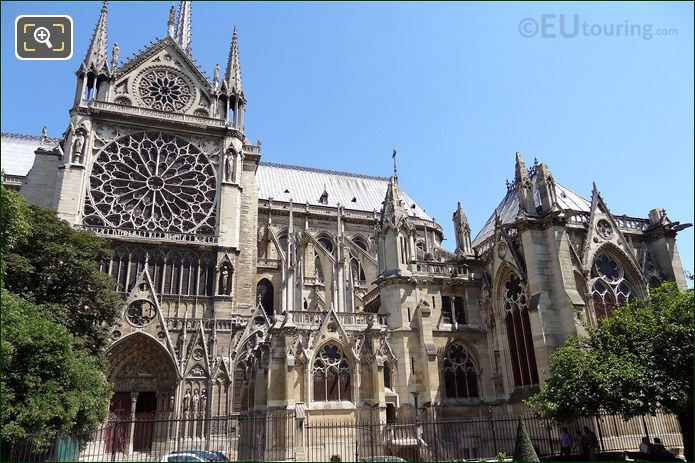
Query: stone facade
241	294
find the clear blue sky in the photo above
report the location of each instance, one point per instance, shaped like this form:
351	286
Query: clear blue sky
454	86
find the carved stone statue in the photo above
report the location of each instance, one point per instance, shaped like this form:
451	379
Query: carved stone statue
171	402
216	75
228	168
78	148
203	401
187	401
225	283
196	399
115	51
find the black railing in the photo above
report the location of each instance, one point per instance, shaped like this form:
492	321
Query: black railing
282	436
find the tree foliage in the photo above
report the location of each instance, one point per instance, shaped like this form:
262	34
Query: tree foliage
523	448
635	361
49	388
48	262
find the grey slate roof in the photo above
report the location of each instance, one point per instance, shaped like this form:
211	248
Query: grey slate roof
282	182
509	207
17	152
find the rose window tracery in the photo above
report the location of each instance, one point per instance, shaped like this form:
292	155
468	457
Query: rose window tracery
165	90
141	313
609	287
604	229
155	182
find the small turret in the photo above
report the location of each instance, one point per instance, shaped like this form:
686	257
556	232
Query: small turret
462	230
94	74
523	187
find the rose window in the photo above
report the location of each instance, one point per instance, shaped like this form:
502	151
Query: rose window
609	288
165	90
155	182
141	313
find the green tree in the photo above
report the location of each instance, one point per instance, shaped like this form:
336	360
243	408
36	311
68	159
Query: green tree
523	448
49	388
47	261
635	361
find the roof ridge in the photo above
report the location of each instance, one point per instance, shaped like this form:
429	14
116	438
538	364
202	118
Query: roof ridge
27	136
322	171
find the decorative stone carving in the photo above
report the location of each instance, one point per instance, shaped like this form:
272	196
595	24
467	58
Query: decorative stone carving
140	313
152	181
165	89
604	229
78	147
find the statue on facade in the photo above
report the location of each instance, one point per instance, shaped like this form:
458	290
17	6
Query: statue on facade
78	148
216	75
187	401
225	284
115	51
228	168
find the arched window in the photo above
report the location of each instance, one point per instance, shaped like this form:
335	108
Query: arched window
609	287
331	375
360	243
326	243
459	373
318	268
387	376
265	295
519	335
420	245
357	271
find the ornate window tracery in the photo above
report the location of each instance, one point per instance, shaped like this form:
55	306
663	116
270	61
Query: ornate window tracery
165	268
519	336
609	287
331	374
155	182
141	313
165	89
459	371
357	271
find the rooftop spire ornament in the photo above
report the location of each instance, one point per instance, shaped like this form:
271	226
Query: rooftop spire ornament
395	166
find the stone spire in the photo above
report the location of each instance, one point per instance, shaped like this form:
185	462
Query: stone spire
394	209
523	187
96	53
183	26
462	230
171	23
232	76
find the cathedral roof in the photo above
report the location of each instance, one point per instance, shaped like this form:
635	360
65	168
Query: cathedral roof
17	156
508	209
359	192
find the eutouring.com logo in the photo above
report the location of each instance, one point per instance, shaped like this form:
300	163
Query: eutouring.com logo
551	26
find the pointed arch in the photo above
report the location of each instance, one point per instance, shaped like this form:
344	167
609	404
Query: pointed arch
265	294
459	371
614	281
513	305
332	368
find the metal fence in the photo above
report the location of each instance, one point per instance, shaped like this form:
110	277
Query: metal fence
282	436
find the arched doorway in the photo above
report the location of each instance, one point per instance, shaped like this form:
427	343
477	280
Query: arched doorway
265	295
144	379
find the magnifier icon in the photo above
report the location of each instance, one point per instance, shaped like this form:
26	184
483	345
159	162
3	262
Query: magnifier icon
42	35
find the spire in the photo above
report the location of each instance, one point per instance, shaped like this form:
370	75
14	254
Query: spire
183	26
96	53
462	230
171	22
523	187
394	209
232	75
395	166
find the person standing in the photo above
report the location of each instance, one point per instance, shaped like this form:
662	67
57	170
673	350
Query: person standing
565	443
592	441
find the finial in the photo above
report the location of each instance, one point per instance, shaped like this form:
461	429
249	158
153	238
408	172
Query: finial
395	166
171	21
44	135
216	75
115	51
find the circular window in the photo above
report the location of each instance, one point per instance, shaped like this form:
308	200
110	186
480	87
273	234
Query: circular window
152	181
141	313
165	90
